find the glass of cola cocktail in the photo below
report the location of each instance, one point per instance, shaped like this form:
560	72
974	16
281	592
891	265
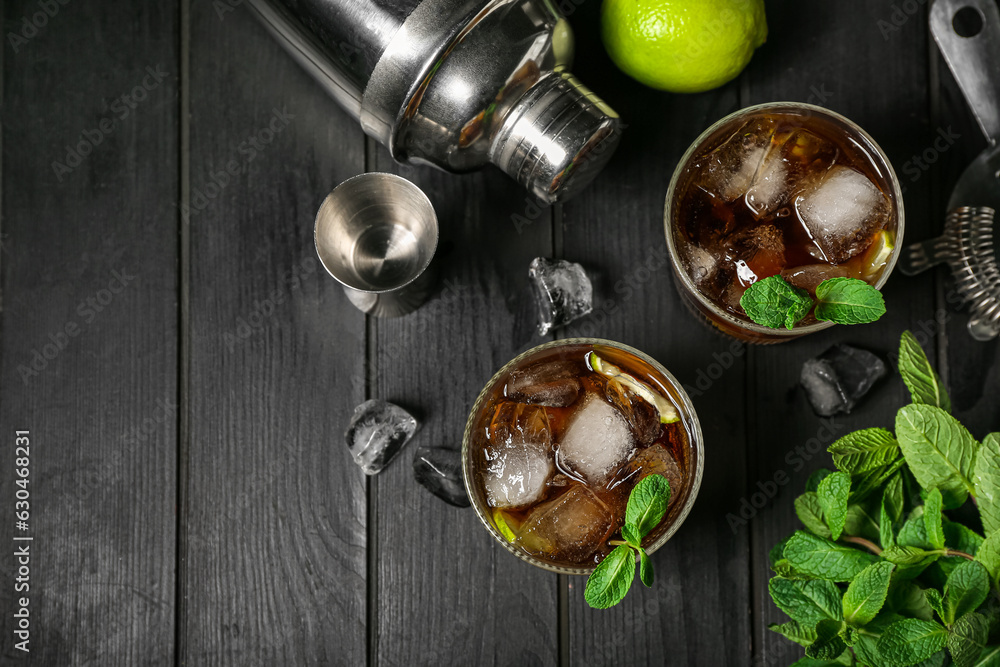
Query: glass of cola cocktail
779	189
559	437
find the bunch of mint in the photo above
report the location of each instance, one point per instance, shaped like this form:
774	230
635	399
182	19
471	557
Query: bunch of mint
774	303
881	576
610	581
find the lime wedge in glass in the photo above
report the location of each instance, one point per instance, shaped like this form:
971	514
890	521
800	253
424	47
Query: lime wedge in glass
501	524
668	413
877	255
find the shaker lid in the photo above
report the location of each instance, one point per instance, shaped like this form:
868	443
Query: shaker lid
557	138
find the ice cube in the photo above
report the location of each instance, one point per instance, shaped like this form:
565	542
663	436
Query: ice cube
562	292
808	277
377	432
729	170
770	184
841	211
700	263
641	416
756	253
596	441
570	527
518	455
439	471
791	155
837	379
551	383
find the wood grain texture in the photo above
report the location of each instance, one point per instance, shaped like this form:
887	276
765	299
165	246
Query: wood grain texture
840	58
696	613
447	593
89	322
276	507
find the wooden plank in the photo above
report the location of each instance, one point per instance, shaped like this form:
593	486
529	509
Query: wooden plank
275	564
696	614
830	62
972	367
446	591
89	346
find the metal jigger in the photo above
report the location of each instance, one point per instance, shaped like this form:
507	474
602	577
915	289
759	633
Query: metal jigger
376	234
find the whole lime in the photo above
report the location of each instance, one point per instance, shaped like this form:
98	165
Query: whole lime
684	46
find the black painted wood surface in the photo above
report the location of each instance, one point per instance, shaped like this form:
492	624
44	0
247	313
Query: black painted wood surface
192	498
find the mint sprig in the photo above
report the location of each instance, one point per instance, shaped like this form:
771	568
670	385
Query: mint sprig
774	303
883	573
611	579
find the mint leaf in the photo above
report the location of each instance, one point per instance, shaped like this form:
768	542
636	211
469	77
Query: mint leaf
935	601
924	384
961	538
777	552
807	602
914	531
911	640
887	533
817	476
828	644
909	556
611	579
967	588
986	481
864	450
774	303
645	569
990	657
989	555
833	493
933	518
848	301
860	523
938	449
631	536
967	639
801	634
870	482
894	498
648	503
906	597
810	513
823	559
866	594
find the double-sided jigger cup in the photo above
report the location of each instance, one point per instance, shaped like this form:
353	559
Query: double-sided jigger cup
376	234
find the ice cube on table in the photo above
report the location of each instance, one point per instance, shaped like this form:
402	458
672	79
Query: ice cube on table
729	170
377	432
837	379
562	291
439	470
596	441
571	527
551	383
518	455
841	211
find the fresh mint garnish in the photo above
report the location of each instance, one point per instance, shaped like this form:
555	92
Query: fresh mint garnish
610	581
774	303
883	573
848	301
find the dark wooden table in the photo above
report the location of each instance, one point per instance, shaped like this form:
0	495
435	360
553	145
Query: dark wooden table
186	369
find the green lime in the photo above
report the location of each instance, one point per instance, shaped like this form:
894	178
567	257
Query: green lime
684	46
877	255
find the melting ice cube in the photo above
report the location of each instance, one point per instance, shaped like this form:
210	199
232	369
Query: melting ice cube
439	471
551	383
842	211
571	527
596	441
377	432
562	292
837	379
729	170
518	458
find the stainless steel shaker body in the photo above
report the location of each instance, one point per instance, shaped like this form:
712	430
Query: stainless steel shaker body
457	84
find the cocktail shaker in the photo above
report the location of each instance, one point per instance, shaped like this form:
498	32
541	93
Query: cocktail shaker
457	84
